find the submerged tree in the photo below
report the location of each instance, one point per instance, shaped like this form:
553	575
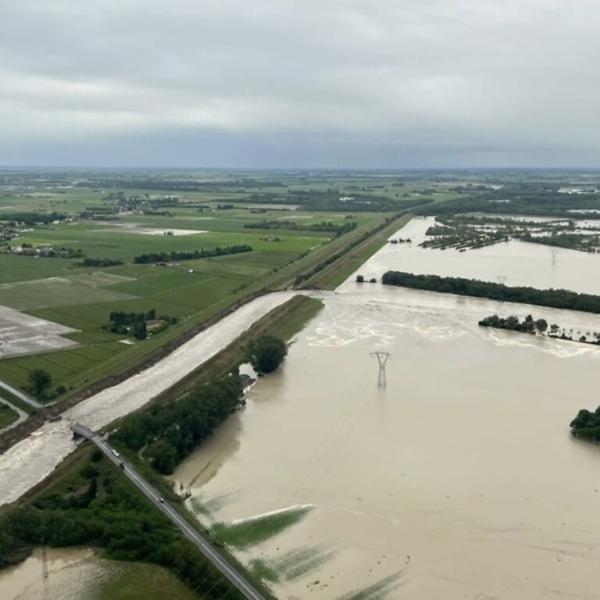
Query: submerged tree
541	325
266	353
587	425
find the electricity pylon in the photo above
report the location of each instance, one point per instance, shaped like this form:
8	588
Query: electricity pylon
382	358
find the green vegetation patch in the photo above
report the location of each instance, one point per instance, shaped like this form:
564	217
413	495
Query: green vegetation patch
7	415
293	564
378	591
208	507
253	531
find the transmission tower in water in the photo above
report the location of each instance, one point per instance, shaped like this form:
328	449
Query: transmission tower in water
382	358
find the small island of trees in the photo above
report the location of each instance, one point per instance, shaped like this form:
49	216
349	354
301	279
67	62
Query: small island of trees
361	279
267	353
586	425
513	323
541	327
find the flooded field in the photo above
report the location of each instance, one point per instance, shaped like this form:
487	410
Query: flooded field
454	478
78	574
513	263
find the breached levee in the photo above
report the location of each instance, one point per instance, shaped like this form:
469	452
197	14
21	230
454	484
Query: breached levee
34	458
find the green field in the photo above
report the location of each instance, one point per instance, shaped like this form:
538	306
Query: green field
7	415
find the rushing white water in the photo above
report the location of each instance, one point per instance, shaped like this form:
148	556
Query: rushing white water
35	457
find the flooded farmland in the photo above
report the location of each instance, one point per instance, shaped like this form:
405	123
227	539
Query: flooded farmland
456	477
513	262
79	574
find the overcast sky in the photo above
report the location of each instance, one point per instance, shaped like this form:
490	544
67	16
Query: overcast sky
307	83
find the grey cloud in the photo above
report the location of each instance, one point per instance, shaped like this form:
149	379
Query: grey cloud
449	82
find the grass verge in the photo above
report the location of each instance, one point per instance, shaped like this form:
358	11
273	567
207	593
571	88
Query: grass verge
7	415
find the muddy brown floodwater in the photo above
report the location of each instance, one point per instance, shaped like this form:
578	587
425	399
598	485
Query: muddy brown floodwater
456	479
79	574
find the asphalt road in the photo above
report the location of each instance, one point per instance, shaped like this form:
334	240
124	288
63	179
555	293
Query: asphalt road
189	532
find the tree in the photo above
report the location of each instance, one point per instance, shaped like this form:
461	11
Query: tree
40	382
541	325
360	279
267	353
140	331
512	322
163	456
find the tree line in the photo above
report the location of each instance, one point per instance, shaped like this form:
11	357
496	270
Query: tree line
513	323
100	262
34	218
169	432
530	199
154	257
324	226
495	291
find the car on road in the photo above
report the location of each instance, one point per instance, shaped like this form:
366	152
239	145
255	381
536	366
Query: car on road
161	500
115	453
